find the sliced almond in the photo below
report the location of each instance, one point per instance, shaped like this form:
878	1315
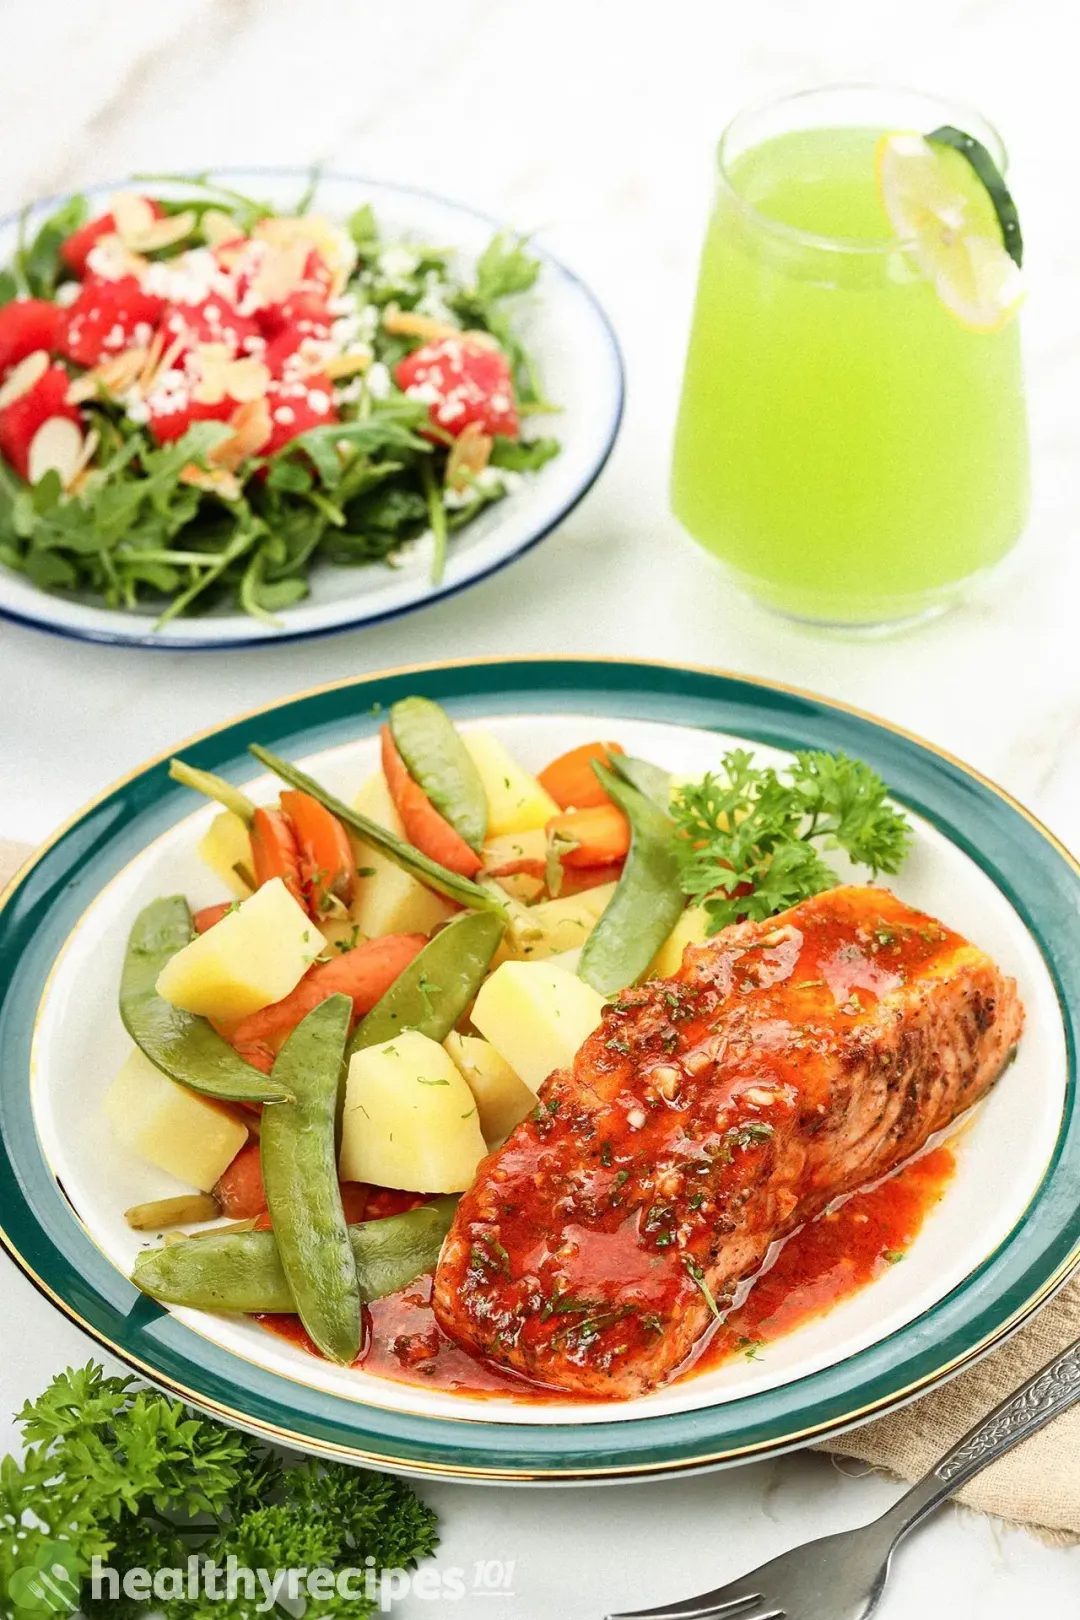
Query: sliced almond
112	259
331	241
216	480
251	427
131	214
163	233
347	365
281	271
248	380
219	228
469	455
57	446
223	377
25	375
115	376
156	367
408	323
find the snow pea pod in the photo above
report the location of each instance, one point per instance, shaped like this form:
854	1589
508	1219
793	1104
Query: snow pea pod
649	779
407	856
179	1043
438	984
648	899
299	1168
437	759
214	787
242	1271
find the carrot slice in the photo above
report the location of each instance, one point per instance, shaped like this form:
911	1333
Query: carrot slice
602	835
274	852
365	973
240	1191
522	866
327	867
355	1201
571	780
577	879
209	915
424	826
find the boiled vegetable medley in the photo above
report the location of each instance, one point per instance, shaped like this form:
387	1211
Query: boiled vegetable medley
326	1055
200	398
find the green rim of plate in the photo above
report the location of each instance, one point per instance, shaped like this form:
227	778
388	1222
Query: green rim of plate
1036	874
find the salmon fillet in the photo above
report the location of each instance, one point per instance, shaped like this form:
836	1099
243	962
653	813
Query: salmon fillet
712	1113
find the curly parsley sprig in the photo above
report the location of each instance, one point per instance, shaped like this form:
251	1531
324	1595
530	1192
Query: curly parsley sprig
137	1479
752	837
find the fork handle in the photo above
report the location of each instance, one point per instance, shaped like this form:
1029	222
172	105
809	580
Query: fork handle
1049	1392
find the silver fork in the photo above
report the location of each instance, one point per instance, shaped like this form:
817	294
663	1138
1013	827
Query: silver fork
842	1577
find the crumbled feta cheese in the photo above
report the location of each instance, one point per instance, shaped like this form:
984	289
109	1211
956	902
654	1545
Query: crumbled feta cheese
137	411
378	380
67	292
425	392
190	278
456	499
498	481
398	262
432	301
369	317
285	415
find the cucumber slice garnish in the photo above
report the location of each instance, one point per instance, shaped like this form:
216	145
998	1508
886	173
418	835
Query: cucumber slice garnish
993	181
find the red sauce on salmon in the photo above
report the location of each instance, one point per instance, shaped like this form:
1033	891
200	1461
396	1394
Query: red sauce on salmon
828	1260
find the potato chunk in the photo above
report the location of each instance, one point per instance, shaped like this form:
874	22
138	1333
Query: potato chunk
410	1120
390	901
689	930
224	846
562	925
507	851
502	1097
516	801
536	1016
254	956
190	1138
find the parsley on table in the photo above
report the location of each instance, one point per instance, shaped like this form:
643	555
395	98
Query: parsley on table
139	1480
753	837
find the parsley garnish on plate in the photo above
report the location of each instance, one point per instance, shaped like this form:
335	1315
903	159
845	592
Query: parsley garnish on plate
137	1479
753	838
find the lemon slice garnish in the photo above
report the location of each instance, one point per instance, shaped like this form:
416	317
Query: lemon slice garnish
944	215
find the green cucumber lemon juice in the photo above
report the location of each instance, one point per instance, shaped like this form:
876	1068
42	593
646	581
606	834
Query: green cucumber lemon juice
848	446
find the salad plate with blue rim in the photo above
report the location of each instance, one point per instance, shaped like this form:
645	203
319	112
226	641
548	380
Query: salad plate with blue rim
110	533
1002	1235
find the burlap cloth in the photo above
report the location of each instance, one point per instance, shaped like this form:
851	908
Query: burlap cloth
1037	1485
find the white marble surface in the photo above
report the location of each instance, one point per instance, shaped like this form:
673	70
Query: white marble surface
592	121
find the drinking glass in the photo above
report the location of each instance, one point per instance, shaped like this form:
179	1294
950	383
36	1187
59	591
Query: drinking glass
851	450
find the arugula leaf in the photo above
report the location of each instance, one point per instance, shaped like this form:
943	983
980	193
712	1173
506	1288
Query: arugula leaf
37	263
363	229
504	268
137	1479
751	835
523	455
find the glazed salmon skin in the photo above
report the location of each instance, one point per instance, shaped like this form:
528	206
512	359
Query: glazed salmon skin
788	1062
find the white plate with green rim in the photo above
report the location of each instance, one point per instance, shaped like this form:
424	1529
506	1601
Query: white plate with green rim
1005	1234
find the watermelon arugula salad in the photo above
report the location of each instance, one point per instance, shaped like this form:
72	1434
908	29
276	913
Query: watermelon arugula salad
201	398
